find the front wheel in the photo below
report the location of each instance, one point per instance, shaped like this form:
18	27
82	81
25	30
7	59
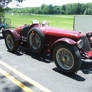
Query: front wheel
67	58
10	42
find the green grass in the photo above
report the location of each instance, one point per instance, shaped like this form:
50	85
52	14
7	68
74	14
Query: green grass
60	21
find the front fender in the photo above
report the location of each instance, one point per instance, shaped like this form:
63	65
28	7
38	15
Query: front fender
89	34
65	40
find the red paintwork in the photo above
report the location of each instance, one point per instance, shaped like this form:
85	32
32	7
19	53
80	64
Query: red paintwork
61	32
15	34
90	39
18	29
54	35
55	31
89	54
67	40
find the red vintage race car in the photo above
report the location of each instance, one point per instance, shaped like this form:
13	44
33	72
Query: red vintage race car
67	48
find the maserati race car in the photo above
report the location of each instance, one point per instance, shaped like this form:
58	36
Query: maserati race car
67	48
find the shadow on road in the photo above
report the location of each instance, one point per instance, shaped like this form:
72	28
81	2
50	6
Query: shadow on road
41	57
86	67
2	77
73	76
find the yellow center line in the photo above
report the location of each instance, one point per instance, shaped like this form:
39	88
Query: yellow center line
14	80
36	84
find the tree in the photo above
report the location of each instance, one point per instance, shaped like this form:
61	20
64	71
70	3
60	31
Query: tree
44	9
3	3
75	8
50	9
88	11
63	9
1	12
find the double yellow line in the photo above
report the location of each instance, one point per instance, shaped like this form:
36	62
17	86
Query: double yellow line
14	80
18	83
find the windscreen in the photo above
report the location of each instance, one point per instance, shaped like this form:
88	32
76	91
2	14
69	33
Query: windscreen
83	23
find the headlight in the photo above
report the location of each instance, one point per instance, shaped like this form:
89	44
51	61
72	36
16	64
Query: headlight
80	44
90	39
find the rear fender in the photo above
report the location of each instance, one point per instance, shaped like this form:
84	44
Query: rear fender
64	40
13	32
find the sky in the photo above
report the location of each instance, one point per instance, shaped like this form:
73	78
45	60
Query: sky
33	3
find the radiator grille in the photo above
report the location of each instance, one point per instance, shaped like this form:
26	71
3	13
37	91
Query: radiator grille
86	45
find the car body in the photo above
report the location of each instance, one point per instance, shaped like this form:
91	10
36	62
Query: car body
67	48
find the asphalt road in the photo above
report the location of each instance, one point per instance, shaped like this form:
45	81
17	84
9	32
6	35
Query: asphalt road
42	70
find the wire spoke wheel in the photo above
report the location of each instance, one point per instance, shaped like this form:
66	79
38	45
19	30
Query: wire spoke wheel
65	58
9	41
35	40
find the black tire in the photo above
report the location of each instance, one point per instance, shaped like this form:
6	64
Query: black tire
72	54
36	47
14	44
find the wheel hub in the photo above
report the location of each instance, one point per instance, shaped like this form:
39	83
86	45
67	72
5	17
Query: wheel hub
65	58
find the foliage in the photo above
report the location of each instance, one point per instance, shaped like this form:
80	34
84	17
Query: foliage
1	12
8	1
3	3
88	11
76	8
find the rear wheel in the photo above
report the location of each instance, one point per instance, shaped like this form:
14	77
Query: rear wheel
67	58
10	42
36	40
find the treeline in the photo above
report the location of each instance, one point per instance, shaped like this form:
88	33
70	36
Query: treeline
76	8
1	12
